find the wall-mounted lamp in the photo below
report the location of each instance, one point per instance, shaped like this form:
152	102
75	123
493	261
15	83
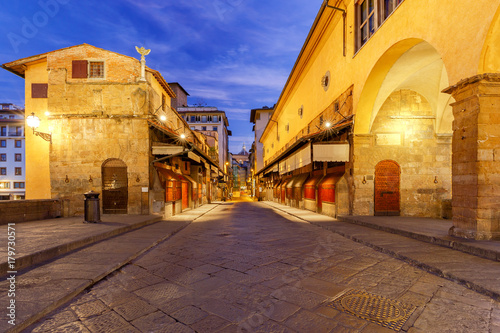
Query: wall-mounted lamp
328	124
183	136
364	180
34	122
66	180
90	179
163	118
435	180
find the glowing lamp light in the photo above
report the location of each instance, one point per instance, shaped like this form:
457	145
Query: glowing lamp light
328	125
33	121
183	136
47	113
163	118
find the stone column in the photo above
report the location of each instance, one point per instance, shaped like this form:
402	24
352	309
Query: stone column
476	157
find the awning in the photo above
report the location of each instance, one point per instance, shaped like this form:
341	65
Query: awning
311	182
167	173
167	150
330	179
193	157
191	180
331	152
214	168
303	157
300	180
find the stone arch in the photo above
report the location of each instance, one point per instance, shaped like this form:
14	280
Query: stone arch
411	64
490	55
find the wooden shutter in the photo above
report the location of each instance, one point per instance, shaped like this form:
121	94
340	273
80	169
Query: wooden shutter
39	90
80	68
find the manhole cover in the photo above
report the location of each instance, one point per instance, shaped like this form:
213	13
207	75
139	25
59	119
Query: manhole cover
378	309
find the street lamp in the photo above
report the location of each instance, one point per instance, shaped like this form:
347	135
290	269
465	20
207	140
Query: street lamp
34	122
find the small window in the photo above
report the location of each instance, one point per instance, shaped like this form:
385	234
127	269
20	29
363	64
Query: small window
193	128
203	128
257	116
215	128
18	184
19	131
203	119
19	157
163	102
3	131
96	69
193	119
19	171
39	90
19	143
3	157
3	143
3	171
209	118
4	185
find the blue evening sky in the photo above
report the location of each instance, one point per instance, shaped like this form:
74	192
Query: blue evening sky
232	54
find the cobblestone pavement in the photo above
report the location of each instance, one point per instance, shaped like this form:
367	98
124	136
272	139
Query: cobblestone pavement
244	268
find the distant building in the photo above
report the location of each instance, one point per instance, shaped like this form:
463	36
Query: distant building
260	118
12	162
209	119
241	168
180	99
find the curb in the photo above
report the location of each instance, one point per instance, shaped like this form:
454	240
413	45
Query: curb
452	244
43	255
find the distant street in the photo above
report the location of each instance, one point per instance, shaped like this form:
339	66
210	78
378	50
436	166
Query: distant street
243	267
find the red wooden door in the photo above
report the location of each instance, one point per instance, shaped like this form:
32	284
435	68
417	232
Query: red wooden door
387	187
185	195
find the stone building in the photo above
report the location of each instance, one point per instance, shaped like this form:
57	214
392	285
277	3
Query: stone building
260	118
391	109
209	119
110	128
12	159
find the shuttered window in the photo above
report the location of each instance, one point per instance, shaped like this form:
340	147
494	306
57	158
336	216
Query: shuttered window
80	69
39	90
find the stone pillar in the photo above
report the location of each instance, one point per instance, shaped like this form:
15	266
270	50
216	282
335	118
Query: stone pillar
476	157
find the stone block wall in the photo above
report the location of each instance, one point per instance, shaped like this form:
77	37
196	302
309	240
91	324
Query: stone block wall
14	211
476	157
403	131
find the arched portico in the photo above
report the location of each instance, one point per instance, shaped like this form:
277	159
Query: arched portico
408	119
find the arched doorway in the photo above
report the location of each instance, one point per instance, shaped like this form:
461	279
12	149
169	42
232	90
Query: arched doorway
387	188
114	187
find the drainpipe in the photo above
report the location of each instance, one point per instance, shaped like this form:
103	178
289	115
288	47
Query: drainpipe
343	17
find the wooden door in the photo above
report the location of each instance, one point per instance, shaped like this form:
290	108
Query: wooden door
387	188
114	187
185	195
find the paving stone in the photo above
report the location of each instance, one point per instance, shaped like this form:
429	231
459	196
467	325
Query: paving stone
320	286
189	315
134	309
300	297
75	327
90	309
442	314
210	323
153	322
305	321
56	320
162	292
108	322
208	269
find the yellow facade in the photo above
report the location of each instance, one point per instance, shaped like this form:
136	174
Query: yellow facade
403	111
37	150
458	33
